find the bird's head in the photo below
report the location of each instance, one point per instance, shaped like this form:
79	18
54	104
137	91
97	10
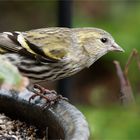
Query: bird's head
96	43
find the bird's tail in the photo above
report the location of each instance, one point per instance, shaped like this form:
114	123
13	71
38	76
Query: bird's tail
8	42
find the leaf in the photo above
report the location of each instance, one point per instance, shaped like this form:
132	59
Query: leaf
10	78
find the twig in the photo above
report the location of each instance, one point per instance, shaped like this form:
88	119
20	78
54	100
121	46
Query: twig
134	54
126	90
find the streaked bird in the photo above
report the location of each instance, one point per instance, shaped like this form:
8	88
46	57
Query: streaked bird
55	53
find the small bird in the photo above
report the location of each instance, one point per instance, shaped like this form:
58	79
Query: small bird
54	53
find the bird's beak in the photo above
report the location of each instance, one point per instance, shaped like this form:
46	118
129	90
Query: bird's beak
116	47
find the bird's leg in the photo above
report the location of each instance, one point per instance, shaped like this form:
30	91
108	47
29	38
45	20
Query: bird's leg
50	96
41	91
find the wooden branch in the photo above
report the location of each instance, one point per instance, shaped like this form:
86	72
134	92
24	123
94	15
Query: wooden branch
134	54
126	90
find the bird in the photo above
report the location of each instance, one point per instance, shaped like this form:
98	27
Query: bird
53	53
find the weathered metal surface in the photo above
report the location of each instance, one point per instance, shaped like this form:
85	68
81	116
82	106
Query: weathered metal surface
62	120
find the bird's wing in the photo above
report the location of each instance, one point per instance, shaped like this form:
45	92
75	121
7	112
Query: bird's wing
51	43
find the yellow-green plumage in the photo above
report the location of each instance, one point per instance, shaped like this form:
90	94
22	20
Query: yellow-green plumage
54	42
55	53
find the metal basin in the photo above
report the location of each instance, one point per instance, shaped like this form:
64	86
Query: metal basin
62	120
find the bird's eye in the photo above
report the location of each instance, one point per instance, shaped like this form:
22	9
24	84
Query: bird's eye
104	40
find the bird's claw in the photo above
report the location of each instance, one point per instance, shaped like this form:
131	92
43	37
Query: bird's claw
50	96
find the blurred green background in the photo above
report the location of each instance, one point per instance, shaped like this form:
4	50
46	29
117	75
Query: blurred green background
95	91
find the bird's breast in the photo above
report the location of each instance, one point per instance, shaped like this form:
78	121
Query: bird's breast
38	72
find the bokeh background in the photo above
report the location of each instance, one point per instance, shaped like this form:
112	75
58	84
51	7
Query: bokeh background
96	89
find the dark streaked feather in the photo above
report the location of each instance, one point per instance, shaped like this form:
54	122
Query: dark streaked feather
13	37
40	55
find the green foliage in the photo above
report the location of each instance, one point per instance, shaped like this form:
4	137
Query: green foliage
115	123
9	75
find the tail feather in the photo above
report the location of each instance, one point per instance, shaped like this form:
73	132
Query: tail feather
7	43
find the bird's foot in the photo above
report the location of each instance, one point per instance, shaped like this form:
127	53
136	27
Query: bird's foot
50	96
